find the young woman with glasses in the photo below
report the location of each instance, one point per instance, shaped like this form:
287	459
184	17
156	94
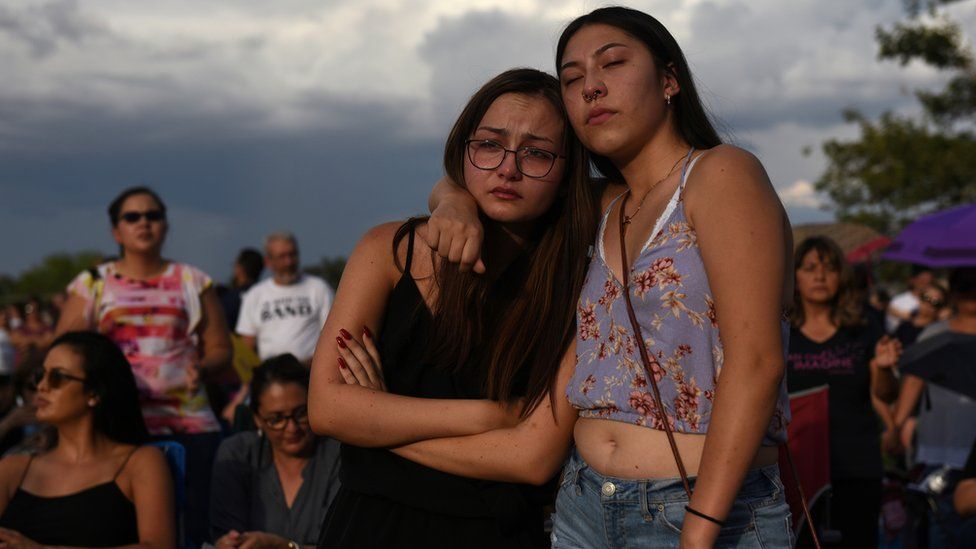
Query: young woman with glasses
461	354
166	318
97	486
271	487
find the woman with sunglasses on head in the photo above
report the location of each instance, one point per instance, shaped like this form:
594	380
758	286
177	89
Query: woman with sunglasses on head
945	428
931	304
461	354
271	488
699	243
166	318
97	486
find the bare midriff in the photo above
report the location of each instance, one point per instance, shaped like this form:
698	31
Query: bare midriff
622	450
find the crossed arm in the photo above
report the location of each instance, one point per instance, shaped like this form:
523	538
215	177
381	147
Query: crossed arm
369	417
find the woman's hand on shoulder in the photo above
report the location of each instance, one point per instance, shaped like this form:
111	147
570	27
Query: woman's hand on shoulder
454	230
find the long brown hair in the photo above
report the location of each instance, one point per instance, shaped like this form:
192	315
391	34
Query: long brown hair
533	325
691	120
846	307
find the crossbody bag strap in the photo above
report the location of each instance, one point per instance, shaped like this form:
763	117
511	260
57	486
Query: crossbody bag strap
645	356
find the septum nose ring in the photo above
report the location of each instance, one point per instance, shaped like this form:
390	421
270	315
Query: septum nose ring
590	97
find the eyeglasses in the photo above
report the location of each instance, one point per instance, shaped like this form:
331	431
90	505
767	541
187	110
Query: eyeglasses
150	215
486	154
55	377
933	301
278	422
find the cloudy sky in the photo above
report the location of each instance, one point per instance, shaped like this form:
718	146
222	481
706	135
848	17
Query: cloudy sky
327	117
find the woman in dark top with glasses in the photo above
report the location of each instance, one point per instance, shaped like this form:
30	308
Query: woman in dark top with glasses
271	488
96	487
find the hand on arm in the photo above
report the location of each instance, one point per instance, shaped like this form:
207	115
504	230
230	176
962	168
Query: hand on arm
367	417
733	207
454	230
531	452
911	391
884	384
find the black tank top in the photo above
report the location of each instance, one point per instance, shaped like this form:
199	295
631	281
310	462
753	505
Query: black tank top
378	472
100	516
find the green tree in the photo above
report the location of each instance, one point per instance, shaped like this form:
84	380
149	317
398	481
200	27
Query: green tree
329	268
901	167
54	273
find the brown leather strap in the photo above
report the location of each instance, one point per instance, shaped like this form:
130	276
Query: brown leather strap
803	499
645	357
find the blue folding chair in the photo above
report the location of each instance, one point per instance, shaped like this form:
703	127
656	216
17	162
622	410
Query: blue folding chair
175	455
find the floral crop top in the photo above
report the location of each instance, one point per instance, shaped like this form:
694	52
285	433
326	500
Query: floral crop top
673	303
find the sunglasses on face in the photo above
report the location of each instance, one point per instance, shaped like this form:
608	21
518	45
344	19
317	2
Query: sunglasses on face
55	377
278	422
135	217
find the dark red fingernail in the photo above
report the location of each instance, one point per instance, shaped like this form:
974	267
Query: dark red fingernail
341	342
345	334
367	333
342	363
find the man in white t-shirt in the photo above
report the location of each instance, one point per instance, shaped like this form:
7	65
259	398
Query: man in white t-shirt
904	305
284	313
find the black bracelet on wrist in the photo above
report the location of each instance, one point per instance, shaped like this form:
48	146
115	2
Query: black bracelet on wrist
699	514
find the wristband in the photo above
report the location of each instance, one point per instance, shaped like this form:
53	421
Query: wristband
699	514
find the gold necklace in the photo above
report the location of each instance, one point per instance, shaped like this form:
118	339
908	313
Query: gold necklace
640	204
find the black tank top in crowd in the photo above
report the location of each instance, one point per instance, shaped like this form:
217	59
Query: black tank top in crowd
100	516
403	349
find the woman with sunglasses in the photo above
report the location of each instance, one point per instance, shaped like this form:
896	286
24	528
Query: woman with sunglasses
271	488
931	305
166	318
97	486
946	419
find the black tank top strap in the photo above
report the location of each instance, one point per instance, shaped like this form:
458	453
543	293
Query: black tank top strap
23	475
410	239
124	463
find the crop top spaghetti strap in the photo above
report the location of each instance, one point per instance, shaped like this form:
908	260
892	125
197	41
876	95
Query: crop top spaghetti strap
99	516
377	472
673	302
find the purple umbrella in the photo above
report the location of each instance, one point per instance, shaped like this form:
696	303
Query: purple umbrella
943	239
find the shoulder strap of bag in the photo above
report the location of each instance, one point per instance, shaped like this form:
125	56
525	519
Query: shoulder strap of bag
645	356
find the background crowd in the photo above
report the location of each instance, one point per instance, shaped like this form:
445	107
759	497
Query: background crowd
900	452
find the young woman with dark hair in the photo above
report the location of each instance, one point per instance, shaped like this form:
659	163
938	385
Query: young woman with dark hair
449	341
832	344
97	486
710	244
271	487
166	318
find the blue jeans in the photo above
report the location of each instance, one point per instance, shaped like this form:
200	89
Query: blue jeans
596	511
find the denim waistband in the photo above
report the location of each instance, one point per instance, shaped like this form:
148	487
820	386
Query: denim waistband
761	483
